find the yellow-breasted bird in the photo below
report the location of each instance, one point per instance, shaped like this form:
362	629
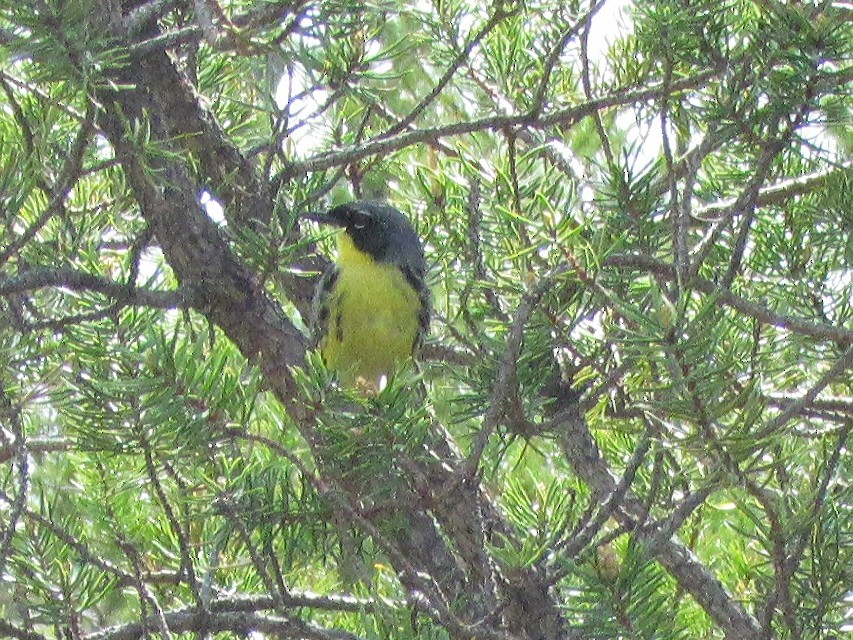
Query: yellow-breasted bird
372	306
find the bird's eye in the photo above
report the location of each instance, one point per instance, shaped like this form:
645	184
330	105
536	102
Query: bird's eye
360	221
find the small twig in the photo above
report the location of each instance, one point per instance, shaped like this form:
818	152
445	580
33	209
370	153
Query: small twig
179	532
819	501
146	597
680	221
143	14
475	229
493	21
59	189
744	203
586	82
840	366
169	40
12	414
36	445
585	534
226	509
666	529
504	396
61	324
83	551
690	164
724	297
583	453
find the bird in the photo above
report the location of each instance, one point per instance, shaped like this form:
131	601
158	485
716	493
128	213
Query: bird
372	305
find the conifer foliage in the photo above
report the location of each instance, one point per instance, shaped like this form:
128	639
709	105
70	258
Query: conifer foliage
631	419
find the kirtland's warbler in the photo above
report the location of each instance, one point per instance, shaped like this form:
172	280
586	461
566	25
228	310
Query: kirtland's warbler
371	309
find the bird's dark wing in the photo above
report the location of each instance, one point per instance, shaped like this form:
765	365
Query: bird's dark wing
320	305
416	278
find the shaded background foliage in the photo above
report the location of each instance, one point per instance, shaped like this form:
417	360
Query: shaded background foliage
633	413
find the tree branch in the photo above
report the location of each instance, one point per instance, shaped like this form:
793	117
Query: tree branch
839	368
778	193
564	117
9	630
583	453
227	293
68	278
35	446
497	16
201	622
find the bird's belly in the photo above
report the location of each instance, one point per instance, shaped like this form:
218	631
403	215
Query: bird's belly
373	322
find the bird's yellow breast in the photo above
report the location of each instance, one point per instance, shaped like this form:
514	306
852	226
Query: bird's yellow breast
373	318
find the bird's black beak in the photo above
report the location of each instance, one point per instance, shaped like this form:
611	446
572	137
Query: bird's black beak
322	217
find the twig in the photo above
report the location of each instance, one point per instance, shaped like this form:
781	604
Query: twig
83	552
37	445
583	453
778	193
7	629
584	535
147	598
144	14
243	624
475	228
178	532
12	413
571	115
841	365
495	19
724	297
680	221
168	40
804	537
586	82
744	203
504	399
554	56
60	188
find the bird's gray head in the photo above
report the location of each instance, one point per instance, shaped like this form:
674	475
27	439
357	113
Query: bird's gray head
380	231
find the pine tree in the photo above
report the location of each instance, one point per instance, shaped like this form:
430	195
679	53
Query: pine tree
631	418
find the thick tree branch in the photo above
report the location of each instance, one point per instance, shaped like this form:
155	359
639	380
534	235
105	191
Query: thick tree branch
581	450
